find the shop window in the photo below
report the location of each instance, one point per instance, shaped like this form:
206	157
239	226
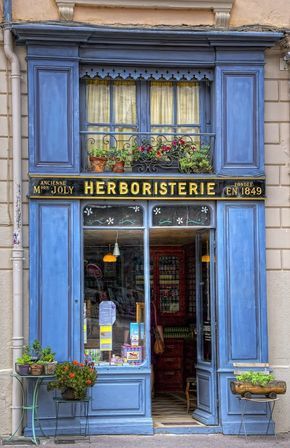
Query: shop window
114	310
181	215
148	120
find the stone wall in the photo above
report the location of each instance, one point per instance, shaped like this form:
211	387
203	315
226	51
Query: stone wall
277	159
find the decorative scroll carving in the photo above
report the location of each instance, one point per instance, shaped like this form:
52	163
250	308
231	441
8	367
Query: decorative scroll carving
66	9
285	45
222	17
167	74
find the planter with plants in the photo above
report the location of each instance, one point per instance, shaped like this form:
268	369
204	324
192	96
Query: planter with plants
257	383
98	159
195	159
154	156
73	379
48	361
119	158
22	366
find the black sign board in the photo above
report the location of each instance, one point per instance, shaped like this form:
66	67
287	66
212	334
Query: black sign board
152	188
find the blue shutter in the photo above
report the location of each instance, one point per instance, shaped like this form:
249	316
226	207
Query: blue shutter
241	304
239	120
55	276
54	116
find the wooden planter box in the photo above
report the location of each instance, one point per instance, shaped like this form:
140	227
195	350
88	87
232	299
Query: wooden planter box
271	390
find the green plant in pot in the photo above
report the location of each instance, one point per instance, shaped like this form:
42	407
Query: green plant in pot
48	360
98	159
257	383
23	364
119	158
195	159
73	379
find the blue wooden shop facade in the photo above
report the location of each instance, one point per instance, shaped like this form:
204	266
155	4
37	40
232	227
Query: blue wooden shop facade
56	55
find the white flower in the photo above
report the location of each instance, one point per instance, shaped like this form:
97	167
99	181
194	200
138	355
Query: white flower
88	211
136	209
179	221
204	209
157	211
110	221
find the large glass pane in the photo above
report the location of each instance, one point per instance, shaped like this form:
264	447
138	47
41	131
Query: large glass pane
161	106
114	332
205	299
124	99
181	215
187	103
113	215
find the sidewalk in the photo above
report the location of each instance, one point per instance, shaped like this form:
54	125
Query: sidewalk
175	441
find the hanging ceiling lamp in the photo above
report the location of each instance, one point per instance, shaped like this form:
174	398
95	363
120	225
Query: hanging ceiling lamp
109	257
206	257
116	247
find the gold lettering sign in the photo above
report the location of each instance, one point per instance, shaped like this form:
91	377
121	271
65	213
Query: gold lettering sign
183	188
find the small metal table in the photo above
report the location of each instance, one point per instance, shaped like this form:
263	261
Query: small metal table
36	380
84	412
270	403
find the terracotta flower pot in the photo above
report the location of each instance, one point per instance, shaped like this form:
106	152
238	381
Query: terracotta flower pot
248	389
98	164
36	369
70	394
119	166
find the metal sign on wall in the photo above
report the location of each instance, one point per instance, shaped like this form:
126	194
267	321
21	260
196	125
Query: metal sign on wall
151	188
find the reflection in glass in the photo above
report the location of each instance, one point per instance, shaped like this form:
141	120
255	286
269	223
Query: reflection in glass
205	299
114	332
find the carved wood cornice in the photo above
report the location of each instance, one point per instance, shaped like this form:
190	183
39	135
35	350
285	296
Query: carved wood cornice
221	8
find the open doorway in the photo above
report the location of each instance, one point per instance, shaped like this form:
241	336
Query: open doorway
181	308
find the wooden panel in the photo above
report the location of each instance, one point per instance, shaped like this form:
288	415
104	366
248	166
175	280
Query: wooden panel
53	116
239	118
241	287
55	277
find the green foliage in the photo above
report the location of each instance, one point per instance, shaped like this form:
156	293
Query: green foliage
255	378
98	152
24	359
120	155
47	355
196	159
74	375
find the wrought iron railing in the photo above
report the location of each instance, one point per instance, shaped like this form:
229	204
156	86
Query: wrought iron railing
150	152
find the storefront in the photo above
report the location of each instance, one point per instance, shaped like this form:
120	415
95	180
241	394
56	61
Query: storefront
189	248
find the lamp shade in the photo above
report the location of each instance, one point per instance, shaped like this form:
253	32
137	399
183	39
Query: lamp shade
205	258
116	250
109	258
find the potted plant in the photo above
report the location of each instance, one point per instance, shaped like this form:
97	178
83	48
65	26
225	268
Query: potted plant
22	365
48	361
195	159
36	367
98	159
73	379
119	158
257	383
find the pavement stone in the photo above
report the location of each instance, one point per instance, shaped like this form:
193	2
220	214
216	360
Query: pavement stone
175	441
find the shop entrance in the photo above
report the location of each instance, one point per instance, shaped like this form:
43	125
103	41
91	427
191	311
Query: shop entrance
183	366
143	277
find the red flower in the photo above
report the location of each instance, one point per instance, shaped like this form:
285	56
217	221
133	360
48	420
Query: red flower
75	363
88	382
72	375
181	141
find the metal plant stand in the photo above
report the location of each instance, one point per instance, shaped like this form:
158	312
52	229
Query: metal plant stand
270	403
84	413
36	380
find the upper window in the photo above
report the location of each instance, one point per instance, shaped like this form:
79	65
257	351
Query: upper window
148	125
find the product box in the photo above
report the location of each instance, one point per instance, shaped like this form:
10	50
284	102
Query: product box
134	333
132	354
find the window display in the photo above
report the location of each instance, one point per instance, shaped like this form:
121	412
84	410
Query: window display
114	332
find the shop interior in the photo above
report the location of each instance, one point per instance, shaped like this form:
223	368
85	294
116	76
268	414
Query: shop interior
114	327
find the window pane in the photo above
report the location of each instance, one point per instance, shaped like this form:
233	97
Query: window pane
181	215
187	103
98	101
106	215
114	332
124	94
161	103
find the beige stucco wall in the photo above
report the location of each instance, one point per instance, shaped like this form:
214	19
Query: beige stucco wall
244	12
6	229
277	158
